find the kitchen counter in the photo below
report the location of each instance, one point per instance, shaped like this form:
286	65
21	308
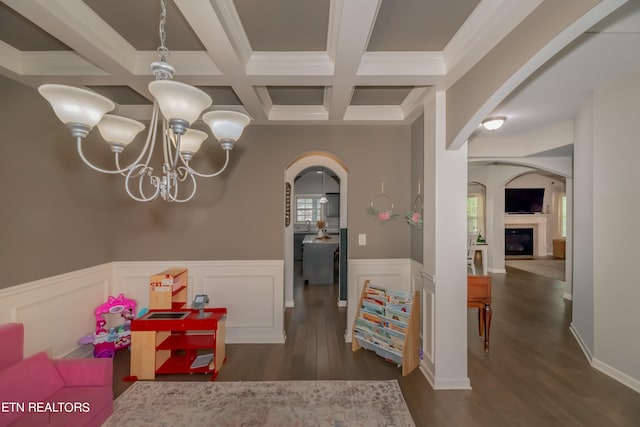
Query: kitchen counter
318	259
313	239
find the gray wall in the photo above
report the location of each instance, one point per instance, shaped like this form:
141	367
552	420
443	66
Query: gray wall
239	215
615	231
61	216
56	213
417	173
582	319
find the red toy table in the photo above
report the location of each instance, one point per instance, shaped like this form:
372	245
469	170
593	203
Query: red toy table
162	345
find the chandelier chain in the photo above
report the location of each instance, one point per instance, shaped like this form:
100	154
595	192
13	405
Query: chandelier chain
163	50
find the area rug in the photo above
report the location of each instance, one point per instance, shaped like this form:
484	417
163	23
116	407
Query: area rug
262	403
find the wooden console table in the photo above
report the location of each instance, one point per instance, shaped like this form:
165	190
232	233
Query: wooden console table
162	345
479	296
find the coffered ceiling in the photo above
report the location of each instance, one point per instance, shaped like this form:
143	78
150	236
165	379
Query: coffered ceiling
283	61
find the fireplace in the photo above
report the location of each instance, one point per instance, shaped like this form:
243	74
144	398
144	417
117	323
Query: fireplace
518	241
537	222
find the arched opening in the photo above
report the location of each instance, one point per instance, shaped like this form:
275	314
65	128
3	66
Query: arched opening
535	223
333	166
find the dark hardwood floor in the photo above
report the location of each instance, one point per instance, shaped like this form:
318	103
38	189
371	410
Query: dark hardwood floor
535	374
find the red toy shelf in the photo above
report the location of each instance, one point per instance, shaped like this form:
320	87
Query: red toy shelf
182	364
187	342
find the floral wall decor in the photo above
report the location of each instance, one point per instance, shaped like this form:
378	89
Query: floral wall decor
414	216
381	208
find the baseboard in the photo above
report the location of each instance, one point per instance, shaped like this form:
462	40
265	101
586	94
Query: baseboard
342	303
497	270
289	304
617	375
568	296
453	384
82	352
581	343
444	384
427	374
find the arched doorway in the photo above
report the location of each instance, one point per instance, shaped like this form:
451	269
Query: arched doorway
555	175
293	169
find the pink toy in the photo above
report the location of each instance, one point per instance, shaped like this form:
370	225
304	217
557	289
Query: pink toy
107	342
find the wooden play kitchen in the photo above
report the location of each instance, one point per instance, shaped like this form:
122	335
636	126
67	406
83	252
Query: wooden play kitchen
172	338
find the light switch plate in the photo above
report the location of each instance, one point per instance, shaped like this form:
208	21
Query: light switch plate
362	239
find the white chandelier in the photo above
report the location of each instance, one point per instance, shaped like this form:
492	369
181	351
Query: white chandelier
180	105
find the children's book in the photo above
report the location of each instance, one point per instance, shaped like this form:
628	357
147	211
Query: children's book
202	360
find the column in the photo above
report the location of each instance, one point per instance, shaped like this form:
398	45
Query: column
444	254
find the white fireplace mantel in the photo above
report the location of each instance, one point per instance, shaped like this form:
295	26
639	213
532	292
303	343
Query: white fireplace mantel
536	221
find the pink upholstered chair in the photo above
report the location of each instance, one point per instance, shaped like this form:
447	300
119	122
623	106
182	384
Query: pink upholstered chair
41	391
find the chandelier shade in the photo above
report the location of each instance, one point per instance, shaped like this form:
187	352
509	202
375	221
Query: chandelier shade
226	125
191	141
179	101
74	105
119	131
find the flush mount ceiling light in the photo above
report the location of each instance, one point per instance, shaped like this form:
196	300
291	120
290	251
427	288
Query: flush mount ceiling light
493	123
176	106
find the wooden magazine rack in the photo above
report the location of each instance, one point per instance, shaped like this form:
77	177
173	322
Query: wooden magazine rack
387	323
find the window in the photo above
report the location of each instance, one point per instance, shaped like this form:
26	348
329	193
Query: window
308	208
472	214
475	213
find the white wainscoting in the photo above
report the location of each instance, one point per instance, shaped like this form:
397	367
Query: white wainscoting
427	364
252	291
388	273
57	311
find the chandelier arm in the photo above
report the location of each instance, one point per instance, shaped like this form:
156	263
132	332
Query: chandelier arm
173	196
202	175
118	164
143	198
174	160
172	187
91	165
151	135
193	192
155	181
182	173
167	139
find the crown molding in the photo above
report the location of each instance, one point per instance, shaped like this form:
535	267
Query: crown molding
290	63
298	112
402	63
10	58
489	23
374	112
228	16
